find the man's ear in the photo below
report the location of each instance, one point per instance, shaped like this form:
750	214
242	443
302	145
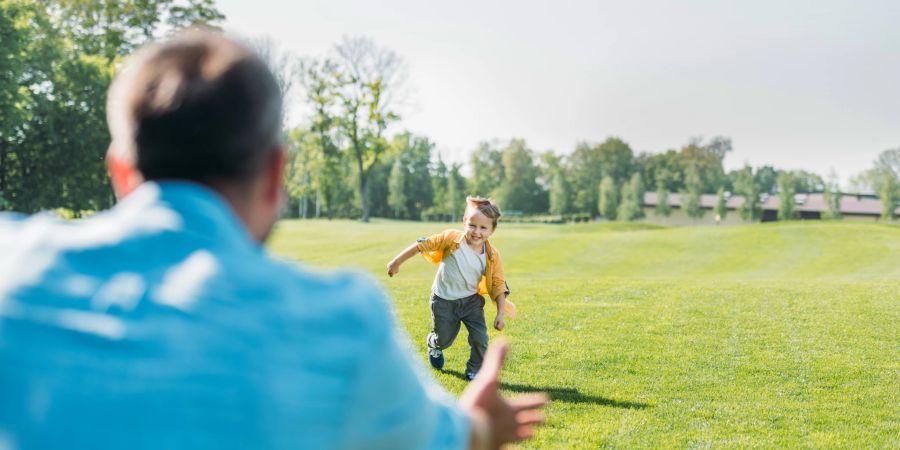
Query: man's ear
275	175
123	174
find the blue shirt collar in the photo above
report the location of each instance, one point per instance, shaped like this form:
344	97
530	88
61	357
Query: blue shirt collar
203	211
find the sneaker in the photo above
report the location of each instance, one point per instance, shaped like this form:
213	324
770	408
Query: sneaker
470	375
436	358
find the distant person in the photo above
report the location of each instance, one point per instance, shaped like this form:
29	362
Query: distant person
469	267
163	323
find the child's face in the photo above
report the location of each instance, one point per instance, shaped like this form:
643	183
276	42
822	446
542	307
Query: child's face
478	227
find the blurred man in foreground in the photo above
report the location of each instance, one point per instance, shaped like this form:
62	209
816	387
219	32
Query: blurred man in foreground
163	323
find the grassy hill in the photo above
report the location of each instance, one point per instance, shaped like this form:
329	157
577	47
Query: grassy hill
762	335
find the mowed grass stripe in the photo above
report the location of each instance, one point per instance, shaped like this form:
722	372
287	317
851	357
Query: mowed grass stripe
747	336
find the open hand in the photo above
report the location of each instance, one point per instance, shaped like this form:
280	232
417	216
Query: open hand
509	420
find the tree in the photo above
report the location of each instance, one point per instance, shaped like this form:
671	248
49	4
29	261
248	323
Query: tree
667	167
616	159
300	180
488	171
559	194
746	185
766	178
631	207
706	160
440	185
559	190
690	197
720	209
585	170
397	188
662	198
112	29
368	82
887	192
883	179
786	191
609	198
415	154
520	190
456	195
57	63
832	198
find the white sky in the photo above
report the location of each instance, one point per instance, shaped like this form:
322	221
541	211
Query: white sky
811	84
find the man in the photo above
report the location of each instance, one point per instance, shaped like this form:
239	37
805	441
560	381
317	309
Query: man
162	323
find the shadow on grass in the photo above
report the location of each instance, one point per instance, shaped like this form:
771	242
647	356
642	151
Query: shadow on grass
557	394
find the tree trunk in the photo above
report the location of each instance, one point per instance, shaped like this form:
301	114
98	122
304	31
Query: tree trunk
363	185
318	202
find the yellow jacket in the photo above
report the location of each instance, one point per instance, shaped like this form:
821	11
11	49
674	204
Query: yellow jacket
438	246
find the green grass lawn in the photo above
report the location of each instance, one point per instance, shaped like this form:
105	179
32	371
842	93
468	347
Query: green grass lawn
772	335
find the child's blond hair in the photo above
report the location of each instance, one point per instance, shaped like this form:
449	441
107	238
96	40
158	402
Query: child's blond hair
485	206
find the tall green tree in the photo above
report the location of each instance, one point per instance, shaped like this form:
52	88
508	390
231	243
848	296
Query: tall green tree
706	160
720	209
559	190
369	79
631	206
415	153
662	199
440	185
456	194
766	178
608	198
745	184
666	167
397	189
691	196
585	172
832	198
888	193
111	29
787	186
587	166
58	58
488	171
520	190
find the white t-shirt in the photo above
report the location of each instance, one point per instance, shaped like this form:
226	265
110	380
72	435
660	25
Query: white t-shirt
458	274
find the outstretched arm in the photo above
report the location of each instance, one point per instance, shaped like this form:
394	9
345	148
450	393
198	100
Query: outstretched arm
495	420
393	267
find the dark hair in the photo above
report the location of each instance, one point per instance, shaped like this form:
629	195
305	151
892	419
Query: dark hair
199	107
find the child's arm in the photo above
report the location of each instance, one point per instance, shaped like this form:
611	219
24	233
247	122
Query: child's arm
499	321
393	267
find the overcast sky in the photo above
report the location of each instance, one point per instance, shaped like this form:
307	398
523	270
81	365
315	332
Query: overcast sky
794	83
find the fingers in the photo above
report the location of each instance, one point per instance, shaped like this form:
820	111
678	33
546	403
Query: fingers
528	401
530	417
493	359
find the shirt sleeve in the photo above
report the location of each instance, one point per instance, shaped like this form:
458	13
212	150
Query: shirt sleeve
498	283
435	242
396	404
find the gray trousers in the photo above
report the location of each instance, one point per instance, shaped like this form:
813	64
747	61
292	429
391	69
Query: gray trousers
446	315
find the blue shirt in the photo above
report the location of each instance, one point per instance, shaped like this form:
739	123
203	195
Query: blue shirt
161	324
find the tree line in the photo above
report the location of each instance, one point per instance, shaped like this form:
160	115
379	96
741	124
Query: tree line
350	158
57	59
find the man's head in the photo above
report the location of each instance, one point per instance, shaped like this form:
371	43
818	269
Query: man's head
200	108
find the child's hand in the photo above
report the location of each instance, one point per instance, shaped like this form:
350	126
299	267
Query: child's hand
393	268
498	322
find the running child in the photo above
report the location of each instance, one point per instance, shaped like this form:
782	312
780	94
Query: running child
469	267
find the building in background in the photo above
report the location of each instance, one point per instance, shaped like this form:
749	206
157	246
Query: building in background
808	207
